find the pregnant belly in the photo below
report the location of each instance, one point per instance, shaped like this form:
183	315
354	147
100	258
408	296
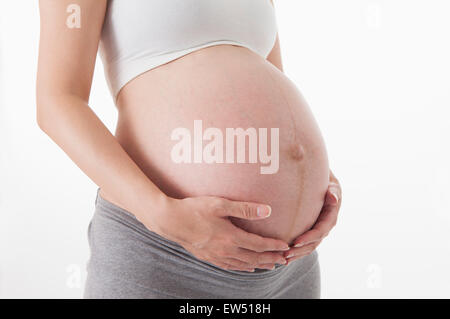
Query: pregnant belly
223	121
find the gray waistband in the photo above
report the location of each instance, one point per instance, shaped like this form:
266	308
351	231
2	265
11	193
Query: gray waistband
124	215
113	211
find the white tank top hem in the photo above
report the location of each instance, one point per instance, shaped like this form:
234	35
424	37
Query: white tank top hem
140	35
117	79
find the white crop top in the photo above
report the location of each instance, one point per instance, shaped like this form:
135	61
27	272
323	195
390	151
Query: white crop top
139	35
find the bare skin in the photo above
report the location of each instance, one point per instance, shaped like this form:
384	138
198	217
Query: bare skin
201	224
228	87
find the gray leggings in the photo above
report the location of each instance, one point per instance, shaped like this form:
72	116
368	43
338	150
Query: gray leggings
129	261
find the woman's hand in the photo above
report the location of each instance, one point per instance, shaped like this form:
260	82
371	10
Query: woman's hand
308	241
201	225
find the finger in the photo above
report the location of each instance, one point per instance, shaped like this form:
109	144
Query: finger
254	258
303	254
326	221
333	195
246	210
221	265
267	266
236	264
226	266
242	269
309	237
257	243
303	251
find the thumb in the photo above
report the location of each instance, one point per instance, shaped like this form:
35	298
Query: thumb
333	195
247	210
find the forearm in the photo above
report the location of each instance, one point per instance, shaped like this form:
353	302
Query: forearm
72	124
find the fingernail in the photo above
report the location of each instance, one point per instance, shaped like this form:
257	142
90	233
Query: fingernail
334	194
299	245
283	262
290	255
263	211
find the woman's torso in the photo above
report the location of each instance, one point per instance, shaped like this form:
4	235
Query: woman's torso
227	87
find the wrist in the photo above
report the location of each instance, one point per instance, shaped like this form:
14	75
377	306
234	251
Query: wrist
156	214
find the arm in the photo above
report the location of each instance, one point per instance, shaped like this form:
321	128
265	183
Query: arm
201	225
274	56
65	69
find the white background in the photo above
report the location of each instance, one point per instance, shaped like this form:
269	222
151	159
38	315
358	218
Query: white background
377	76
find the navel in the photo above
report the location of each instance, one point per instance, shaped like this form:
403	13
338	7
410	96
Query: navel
297	152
